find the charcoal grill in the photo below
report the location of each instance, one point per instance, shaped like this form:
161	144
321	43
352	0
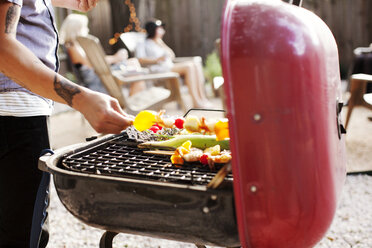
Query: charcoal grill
112	184
283	94
121	157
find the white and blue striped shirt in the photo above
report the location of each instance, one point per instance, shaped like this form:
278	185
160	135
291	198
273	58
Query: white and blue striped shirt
37	31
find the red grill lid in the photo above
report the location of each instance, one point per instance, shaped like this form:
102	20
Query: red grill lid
282	84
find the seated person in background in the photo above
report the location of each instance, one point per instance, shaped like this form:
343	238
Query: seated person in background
157	56
77	25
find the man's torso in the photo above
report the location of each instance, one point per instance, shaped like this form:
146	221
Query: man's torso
36	30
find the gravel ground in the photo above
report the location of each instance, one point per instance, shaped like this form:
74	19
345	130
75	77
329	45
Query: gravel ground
352	225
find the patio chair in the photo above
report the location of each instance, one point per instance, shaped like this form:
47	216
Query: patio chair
150	98
131	40
358	86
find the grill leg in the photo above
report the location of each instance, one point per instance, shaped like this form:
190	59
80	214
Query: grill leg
106	239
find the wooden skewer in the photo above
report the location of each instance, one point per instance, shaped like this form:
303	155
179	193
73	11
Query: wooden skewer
220	176
159	152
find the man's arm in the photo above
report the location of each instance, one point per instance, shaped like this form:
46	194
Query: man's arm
22	66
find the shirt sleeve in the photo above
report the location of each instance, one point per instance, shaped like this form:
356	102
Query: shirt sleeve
141	50
18	2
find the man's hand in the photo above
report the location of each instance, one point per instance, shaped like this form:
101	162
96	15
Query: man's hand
102	112
80	5
85	5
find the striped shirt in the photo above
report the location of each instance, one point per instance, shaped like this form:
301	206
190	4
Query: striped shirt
37	31
22	104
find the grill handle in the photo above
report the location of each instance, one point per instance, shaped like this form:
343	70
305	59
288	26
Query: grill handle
203	110
296	2
44	156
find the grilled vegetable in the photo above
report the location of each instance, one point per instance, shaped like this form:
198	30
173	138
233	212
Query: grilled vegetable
177	159
204	159
209	156
222	129
179	123
178	156
192	124
198	141
144	120
154	129
215	150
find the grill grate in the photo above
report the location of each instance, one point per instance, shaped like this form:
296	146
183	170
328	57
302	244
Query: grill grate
121	157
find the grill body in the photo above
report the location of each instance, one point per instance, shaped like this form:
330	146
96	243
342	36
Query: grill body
176	211
282	82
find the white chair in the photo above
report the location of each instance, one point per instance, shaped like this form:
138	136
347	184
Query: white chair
151	98
358	85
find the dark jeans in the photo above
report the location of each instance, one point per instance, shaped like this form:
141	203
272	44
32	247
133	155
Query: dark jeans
23	187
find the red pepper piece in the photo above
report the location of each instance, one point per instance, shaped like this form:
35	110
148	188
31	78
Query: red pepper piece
179	123
157	125
204	159
154	129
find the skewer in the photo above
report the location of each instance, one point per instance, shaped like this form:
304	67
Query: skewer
220	176
159	152
150	146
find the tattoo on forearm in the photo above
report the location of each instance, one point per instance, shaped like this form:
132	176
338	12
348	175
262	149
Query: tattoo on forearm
65	89
11	19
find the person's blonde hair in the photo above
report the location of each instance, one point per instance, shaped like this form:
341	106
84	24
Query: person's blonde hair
73	26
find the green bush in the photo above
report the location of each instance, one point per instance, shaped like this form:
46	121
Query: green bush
212	67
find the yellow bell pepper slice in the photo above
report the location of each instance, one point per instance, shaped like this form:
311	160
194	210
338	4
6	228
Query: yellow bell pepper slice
214	150
222	129
184	148
187	145
177	159
144	120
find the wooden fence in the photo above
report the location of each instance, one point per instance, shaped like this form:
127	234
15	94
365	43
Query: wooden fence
351	24
193	25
